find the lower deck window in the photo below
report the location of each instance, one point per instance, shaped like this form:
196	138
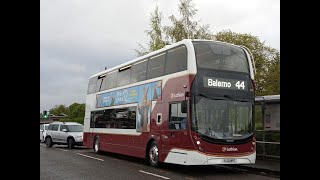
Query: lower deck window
120	118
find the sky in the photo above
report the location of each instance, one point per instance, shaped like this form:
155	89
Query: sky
79	38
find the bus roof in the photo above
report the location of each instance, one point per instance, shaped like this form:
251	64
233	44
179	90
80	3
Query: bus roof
184	41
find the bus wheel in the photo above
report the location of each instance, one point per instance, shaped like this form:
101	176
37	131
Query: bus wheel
154	154
96	146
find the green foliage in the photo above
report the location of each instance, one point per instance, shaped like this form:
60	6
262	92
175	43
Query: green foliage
181	28
155	34
271	83
258	117
185	27
75	112
267	60
270	149
59	109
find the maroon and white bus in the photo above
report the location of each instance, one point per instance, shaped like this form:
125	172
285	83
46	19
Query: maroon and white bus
189	103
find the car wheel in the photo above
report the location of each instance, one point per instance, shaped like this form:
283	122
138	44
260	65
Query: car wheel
49	142
70	143
154	154
96	146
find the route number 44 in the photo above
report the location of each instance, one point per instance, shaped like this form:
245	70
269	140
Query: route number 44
240	84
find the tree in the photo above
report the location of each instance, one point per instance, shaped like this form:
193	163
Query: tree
156	40
185	27
76	110
182	28
59	109
271	85
267	60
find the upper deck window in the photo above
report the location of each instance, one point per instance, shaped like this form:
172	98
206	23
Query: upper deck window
156	66
124	76
111	80
139	71
176	60
220	56
92	85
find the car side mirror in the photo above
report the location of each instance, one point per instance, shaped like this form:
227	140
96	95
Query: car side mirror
64	130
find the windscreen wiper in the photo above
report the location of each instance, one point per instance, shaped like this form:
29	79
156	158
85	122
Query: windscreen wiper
235	99
225	97
210	97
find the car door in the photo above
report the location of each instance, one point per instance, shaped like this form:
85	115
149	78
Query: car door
63	135
45	129
55	133
41	132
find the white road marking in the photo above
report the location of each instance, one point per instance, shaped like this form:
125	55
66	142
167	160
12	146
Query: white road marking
42	145
154	174
90	157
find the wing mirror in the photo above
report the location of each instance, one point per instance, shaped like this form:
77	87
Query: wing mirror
184	107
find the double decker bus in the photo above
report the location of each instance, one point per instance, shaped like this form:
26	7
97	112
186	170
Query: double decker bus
189	103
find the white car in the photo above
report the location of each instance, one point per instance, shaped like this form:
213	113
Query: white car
43	131
69	133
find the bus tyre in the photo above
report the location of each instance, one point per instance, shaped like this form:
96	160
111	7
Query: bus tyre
49	142
96	145
70	143
153	154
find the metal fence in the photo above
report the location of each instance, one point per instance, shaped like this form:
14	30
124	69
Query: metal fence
268	144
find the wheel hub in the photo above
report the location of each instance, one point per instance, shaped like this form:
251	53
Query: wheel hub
153	154
96	146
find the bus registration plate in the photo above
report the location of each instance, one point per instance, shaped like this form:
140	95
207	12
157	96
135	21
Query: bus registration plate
229	160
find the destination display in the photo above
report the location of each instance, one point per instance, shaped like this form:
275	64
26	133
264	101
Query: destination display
223	83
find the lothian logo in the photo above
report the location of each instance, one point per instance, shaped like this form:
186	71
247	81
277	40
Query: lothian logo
176	95
224	149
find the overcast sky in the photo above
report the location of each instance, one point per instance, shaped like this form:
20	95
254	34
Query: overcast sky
78	38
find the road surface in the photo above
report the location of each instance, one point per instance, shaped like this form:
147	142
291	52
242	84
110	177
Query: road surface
59	162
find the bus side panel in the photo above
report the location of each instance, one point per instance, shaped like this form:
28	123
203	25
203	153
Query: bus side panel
122	144
87	140
159	109
173	91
